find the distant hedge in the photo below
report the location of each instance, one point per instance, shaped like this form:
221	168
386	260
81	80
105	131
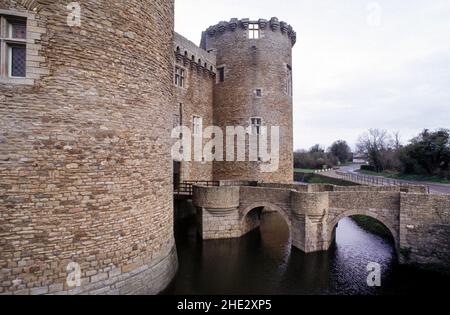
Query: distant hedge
369	168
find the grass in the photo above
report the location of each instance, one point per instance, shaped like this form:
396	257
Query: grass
419	178
304	171
311	178
372	226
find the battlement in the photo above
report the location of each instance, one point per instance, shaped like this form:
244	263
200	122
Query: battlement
235	24
189	54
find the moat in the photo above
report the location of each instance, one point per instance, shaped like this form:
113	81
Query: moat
264	262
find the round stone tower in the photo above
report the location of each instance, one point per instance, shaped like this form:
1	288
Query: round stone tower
85	165
254	87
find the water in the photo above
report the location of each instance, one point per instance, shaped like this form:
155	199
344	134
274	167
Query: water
264	262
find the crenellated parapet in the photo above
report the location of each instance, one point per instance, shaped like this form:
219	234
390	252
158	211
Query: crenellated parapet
235	24
191	56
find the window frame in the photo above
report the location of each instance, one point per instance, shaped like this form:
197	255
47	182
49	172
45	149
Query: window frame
197	126
10	61
289	81
254	31
255	126
7	42
220	74
180	76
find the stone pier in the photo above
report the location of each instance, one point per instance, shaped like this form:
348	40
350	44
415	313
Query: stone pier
419	222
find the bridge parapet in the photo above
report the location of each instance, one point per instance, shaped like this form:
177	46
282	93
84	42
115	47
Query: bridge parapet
310	204
419	222
217	200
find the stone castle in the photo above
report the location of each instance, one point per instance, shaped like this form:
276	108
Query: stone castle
241	75
89	97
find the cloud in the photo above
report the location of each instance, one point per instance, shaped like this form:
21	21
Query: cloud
351	74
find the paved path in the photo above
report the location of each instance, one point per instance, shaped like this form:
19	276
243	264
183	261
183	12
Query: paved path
441	189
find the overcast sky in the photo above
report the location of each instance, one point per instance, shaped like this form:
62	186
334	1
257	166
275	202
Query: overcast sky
357	64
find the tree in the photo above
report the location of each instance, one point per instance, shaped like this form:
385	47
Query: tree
315	158
428	154
374	144
397	142
341	150
317	149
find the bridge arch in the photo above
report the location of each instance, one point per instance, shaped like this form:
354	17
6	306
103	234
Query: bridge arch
349	213
269	206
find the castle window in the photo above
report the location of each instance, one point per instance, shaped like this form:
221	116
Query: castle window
289	80
258	93
197	126
253	31
13	47
256	124
221	72
179	76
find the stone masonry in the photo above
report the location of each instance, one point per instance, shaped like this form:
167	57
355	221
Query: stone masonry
86	189
85	165
249	65
418	222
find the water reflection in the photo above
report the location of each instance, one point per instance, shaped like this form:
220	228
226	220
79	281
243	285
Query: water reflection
264	262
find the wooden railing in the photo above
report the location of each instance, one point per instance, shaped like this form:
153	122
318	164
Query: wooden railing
186	188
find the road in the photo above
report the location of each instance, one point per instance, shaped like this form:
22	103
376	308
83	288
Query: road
435	188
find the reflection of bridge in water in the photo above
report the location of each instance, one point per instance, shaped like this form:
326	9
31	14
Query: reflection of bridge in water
418	221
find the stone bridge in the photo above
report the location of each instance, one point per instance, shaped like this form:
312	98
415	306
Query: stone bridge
419	222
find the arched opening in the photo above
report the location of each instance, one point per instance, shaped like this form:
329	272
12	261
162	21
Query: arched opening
359	241
362	224
271	227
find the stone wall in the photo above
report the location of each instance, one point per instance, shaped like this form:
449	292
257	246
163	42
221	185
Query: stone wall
382	206
194	99
251	64
85	164
419	223
425	229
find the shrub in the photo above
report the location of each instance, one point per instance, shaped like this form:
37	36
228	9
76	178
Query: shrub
368	168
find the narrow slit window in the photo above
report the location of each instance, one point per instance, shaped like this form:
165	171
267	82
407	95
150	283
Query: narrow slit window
221	72
197	126
256	124
289	81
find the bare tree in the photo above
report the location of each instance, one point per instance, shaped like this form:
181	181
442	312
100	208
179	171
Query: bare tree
373	144
397	142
